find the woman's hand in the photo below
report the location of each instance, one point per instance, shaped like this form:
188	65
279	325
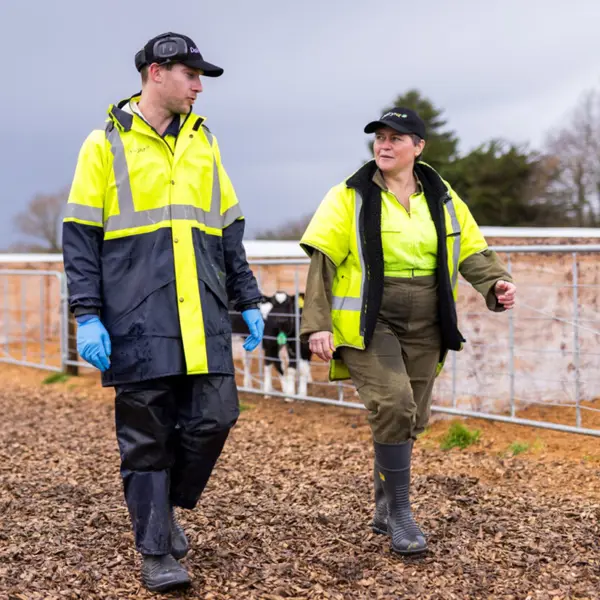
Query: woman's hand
505	293
321	344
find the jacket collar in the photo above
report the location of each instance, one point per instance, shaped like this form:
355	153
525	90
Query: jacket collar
363	176
123	118
369	172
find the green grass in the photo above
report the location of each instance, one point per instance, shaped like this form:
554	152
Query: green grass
459	436
56	378
244	407
518	448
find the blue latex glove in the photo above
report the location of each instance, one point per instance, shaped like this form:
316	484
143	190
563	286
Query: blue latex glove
93	341
256	327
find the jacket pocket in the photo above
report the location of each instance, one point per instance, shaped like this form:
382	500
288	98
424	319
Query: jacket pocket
215	312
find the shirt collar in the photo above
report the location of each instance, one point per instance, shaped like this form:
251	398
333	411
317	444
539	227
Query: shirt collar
379	181
172	128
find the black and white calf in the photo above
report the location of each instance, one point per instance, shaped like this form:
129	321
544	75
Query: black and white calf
280	334
279	345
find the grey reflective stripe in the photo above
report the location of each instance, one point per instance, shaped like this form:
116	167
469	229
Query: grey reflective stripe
208	134
358	202
346	303
84	213
215	201
232	214
121	171
214	216
183	212
456	242
129	218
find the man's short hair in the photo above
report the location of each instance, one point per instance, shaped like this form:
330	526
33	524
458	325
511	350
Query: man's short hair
144	71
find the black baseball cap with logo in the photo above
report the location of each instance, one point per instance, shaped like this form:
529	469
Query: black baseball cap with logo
403	120
174	48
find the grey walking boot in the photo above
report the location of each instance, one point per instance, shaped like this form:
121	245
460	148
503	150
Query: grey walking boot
393	465
179	542
163	573
379	523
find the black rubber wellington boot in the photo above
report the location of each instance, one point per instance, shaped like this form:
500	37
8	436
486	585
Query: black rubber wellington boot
163	573
379	523
179	542
393	465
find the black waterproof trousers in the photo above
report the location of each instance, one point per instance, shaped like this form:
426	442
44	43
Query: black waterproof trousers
170	431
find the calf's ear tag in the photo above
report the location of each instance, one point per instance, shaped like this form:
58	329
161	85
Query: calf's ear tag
281	338
300	302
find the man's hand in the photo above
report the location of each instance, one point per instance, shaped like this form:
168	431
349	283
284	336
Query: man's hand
93	341
321	344
256	327
505	293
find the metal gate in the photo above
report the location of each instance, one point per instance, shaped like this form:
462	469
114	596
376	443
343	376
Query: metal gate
537	365
32	319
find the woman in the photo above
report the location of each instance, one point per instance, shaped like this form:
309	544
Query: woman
386	247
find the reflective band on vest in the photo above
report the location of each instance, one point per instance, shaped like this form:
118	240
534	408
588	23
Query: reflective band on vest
84	213
348	302
456	242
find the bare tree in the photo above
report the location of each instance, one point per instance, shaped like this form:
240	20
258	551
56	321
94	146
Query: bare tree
292	230
41	223
577	148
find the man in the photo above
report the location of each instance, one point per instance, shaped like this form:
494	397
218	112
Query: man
152	243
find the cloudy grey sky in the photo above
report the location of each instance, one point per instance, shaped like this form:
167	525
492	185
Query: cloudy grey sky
301	80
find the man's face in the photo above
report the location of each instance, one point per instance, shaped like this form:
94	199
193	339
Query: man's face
179	88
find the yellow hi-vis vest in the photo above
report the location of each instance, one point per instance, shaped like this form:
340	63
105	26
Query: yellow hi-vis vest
337	230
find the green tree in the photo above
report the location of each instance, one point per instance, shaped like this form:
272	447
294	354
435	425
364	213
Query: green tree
506	185
442	143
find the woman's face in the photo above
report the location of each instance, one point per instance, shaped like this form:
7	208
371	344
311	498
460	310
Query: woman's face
395	152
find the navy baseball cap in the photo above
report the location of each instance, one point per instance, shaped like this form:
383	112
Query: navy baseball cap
174	48
403	120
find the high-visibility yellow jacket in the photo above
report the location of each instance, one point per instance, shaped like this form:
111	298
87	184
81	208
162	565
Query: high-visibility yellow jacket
347	228
152	242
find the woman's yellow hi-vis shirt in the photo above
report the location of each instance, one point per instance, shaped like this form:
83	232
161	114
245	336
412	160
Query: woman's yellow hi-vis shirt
409	237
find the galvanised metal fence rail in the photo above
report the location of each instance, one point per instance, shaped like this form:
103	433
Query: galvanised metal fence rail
31	322
537	365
